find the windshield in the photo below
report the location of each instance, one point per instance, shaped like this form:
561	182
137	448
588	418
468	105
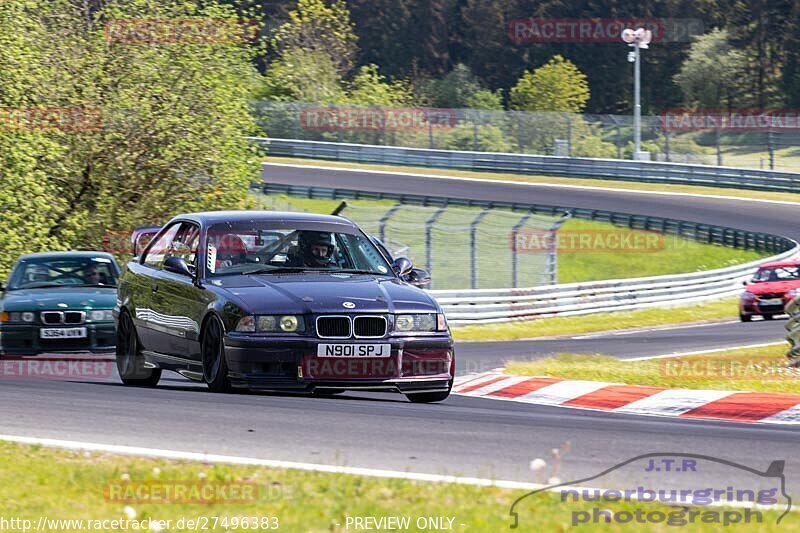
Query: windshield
259	247
68	271
784	273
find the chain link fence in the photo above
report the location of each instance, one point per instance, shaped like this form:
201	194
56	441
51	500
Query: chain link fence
709	138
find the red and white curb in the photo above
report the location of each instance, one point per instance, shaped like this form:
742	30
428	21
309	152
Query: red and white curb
761	407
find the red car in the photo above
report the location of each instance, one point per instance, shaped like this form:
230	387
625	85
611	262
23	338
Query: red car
773	286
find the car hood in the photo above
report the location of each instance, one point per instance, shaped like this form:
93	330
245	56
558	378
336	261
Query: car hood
79	298
326	293
765	287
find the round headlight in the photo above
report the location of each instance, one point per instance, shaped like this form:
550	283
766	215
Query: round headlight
289	323
27	316
266	323
404	323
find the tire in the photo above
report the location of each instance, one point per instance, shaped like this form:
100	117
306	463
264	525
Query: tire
430	397
130	361
215	365
745	318
769	317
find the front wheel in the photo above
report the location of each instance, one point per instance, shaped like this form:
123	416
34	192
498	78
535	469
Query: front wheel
769	317
745	318
215	366
130	361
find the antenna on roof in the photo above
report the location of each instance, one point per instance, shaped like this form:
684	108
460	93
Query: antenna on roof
339	209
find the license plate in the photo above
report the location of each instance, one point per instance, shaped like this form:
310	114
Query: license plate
772	301
63	333
354	350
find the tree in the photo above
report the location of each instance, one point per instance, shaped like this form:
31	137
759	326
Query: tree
300	75
319	29
711	75
174	116
370	88
556	86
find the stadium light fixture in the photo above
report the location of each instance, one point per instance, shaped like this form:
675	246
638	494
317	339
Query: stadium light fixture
637	39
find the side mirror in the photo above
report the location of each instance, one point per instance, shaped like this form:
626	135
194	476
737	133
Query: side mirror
745	282
402	266
418	277
2	287
177	265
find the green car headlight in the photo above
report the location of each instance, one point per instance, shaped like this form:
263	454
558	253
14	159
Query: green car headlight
415	323
101	315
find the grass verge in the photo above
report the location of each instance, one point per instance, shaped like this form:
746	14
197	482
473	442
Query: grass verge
61	485
717	310
764	369
587	182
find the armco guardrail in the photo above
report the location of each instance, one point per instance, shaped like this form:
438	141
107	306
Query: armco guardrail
480	306
705	233
616	169
487	306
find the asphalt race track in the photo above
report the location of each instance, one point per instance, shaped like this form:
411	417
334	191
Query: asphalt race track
461	436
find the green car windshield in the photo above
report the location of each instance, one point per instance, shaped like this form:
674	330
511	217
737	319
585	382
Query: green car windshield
63	272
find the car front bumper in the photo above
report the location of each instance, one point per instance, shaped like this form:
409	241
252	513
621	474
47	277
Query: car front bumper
416	364
25	339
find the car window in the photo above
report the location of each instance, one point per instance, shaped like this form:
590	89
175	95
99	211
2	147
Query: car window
259	245
54	272
784	273
185	244
157	252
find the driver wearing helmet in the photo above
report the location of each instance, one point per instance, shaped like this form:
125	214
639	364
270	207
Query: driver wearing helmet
315	249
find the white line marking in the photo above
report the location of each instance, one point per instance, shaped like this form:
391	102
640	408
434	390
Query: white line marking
561	392
673	402
701	352
550	185
787	416
496	386
313	467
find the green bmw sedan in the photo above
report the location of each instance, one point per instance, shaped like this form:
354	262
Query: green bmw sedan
59	302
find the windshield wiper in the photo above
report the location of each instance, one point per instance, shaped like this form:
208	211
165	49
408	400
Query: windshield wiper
275	270
355	271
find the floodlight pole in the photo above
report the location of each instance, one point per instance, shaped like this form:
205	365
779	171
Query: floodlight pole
637	101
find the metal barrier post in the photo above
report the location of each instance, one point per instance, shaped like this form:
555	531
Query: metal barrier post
514	232
473	262
552	252
428	227
385	219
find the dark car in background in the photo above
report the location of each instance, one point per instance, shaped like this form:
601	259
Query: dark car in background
772	287
279	301
59	302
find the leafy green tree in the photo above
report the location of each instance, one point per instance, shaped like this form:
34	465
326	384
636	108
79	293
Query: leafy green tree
556	86
370	88
174	116
320	29
303	76
712	73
